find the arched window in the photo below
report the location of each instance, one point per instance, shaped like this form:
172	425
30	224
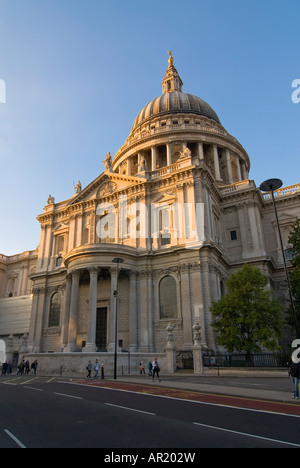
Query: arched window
54	314
167	298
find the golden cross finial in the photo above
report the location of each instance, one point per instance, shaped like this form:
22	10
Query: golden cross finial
171	60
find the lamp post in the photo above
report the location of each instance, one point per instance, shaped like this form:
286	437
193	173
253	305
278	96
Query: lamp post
271	185
116	260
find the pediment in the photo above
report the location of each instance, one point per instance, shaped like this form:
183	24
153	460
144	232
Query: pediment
60	228
164	197
105	185
287	219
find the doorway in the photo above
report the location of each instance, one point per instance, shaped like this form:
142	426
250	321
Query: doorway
101	329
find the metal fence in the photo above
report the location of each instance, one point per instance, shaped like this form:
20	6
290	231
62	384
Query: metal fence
245	360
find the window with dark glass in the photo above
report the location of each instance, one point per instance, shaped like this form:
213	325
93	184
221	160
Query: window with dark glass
54	314
167	298
233	235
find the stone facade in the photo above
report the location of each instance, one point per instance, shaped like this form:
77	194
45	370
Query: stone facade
177	206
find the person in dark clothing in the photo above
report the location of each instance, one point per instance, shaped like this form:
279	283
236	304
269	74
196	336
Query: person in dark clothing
295	376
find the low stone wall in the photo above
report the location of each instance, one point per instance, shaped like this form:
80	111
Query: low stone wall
68	364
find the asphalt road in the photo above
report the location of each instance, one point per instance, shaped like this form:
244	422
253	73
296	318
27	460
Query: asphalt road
48	413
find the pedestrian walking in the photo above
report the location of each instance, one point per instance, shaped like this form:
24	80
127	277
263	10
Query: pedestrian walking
150	369
155	369
142	368
27	367
4	368
96	369
294	373
21	367
34	366
89	368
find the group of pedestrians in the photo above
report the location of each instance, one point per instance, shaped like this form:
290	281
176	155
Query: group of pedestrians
6	368
96	367
24	367
153	368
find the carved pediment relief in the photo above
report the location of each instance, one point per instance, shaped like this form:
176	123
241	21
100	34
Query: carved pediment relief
106	188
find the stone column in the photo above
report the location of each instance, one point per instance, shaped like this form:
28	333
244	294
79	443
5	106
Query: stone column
91	346
216	163
200	151
242	223
186	305
169	154
66	312
112	312
153	158
132	312
229	168
238	168
254	230
41	247
48	245
144	308
72	346
37	319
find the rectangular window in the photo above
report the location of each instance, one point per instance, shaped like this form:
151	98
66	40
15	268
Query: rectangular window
233	235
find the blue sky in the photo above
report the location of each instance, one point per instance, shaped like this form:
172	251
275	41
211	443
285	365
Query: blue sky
77	72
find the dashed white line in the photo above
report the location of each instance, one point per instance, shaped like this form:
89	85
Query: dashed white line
34	388
69	396
130	409
18	442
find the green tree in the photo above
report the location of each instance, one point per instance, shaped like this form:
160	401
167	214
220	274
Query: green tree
247	318
294	240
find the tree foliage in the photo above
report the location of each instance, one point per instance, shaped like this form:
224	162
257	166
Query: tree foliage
294	240
247	318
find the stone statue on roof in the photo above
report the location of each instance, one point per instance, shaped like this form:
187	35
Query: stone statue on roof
108	163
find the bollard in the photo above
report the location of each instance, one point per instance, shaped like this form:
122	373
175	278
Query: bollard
102	371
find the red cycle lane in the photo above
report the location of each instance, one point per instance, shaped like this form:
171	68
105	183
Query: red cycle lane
207	398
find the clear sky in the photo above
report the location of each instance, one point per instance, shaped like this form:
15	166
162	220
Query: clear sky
77	72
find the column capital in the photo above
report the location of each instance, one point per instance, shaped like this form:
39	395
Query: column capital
74	273
93	270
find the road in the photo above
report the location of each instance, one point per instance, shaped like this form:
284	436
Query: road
56	413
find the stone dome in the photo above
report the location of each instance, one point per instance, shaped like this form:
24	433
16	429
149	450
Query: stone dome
175	102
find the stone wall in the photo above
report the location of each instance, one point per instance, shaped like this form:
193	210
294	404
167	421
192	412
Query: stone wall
74	364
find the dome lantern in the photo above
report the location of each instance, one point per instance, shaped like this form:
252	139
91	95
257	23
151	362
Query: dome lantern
172	81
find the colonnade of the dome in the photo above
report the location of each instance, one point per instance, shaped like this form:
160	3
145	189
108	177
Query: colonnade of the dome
226	166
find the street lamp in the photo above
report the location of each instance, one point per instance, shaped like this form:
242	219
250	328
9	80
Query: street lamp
269	186
117	261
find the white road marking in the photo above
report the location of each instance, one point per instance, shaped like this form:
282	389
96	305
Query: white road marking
130	409
18	442
69	396
34	388
245	434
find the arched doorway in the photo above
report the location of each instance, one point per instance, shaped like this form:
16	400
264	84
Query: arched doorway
2	351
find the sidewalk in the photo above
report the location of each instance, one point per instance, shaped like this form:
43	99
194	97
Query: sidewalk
239	384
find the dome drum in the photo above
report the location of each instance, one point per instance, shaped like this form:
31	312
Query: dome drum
223	156
173	123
